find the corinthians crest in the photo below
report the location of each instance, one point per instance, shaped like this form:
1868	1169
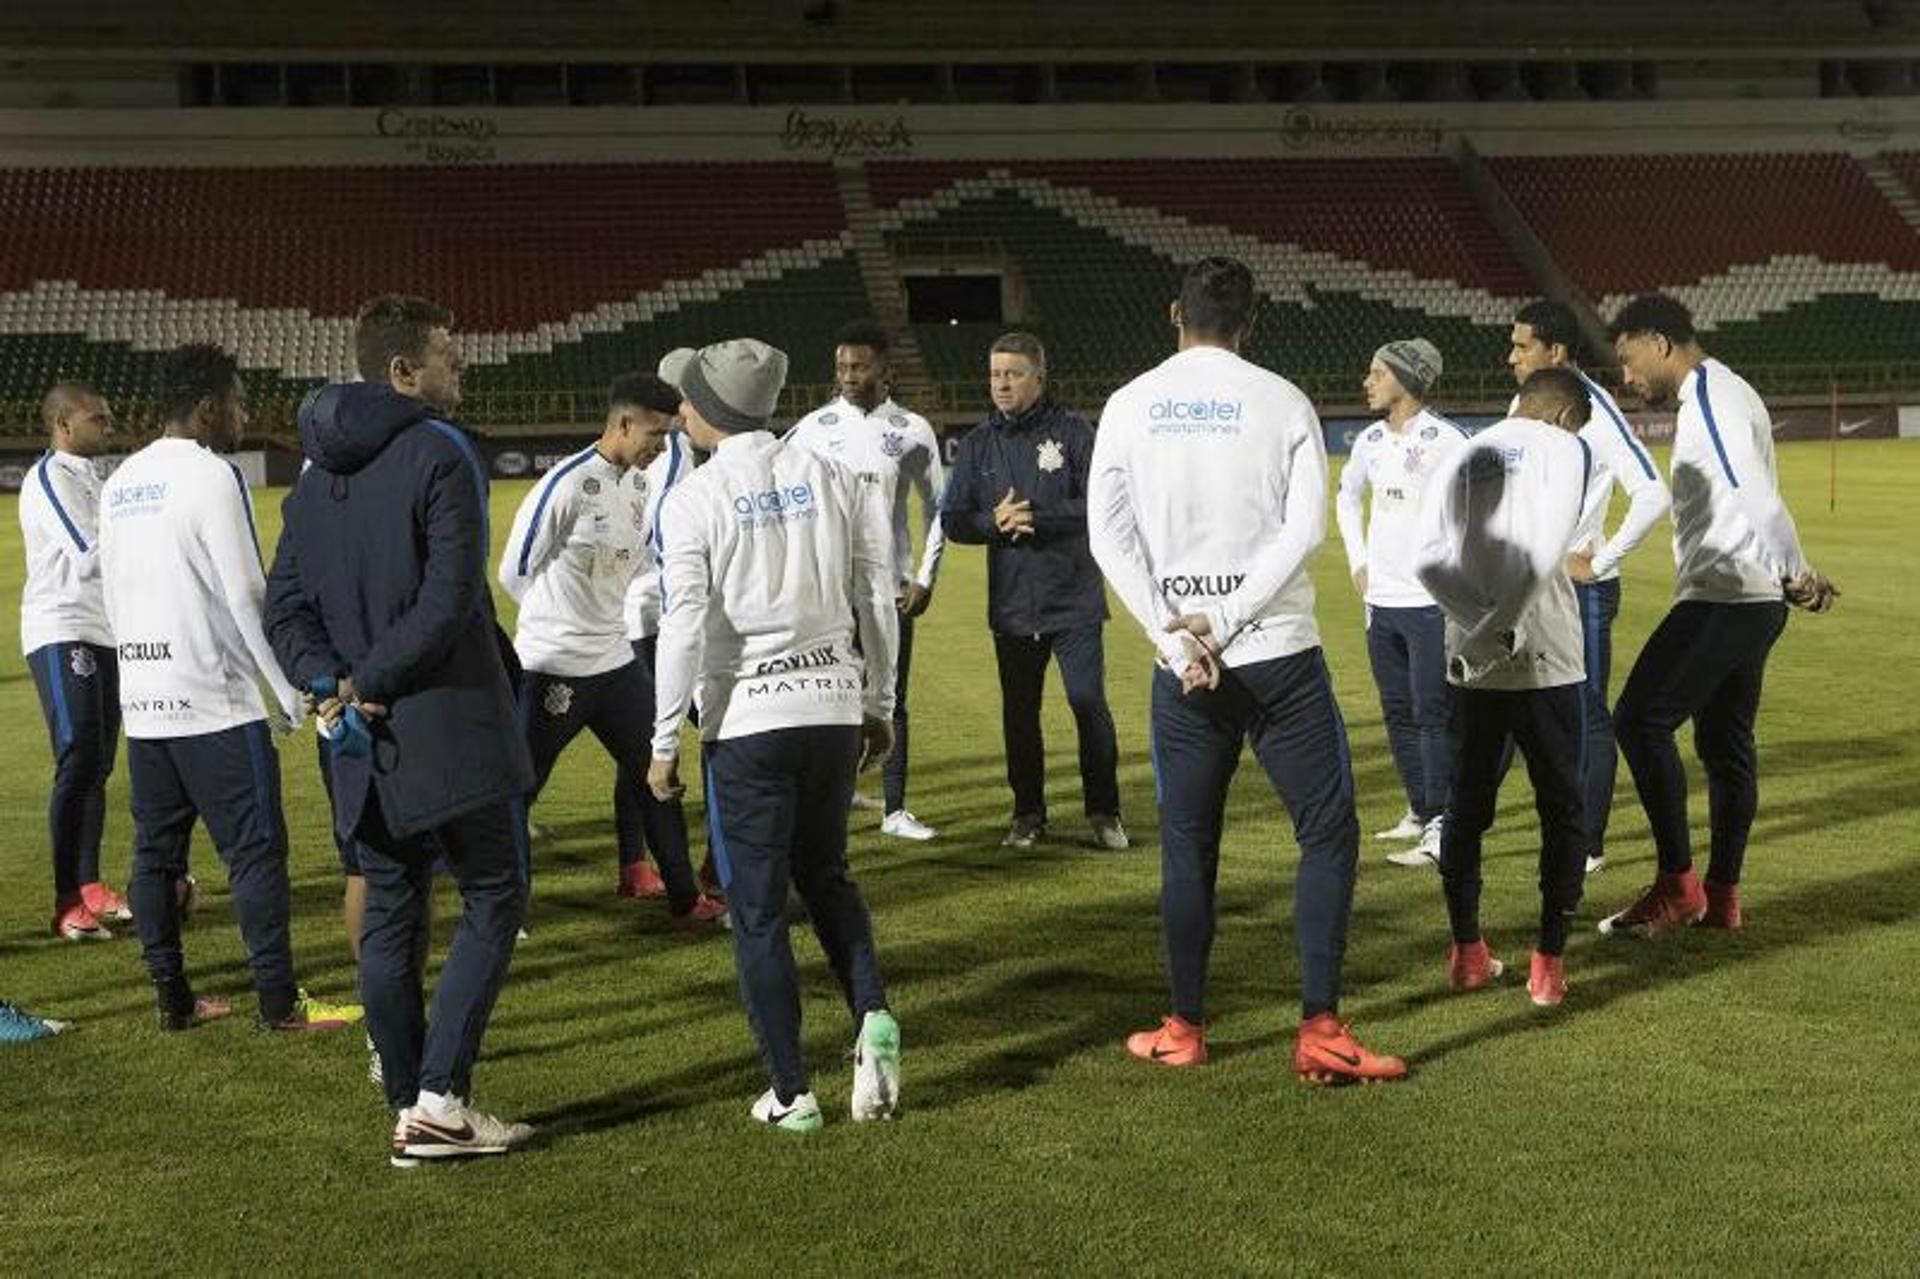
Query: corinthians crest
1051	456
83	662
559	699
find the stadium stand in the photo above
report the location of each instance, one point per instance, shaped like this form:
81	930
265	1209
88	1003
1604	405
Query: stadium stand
1785	258
1350	252
560	276
563	276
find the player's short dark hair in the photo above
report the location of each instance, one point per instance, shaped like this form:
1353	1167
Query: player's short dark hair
864	333
1654	313
1552	324
1558	389
1217	297
643	391
190	374
63	395
394	325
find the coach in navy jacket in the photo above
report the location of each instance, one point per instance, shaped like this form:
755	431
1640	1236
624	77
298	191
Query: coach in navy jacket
1019	486
409	617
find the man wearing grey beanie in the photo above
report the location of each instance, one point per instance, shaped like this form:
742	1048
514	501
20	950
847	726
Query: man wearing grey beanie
777	602
1406	635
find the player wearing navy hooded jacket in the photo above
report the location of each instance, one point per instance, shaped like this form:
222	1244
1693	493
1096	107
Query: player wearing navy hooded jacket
380	583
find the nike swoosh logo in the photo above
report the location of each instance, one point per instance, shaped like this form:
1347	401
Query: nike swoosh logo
1161	1054
1848	428
1353	1063
463	1133
775	1116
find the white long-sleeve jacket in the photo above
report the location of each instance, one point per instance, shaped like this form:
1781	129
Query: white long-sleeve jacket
1494	530
902	450
1208	492
1617	457
674	464
59	522
1396	465
181	567
1733	538
775	562
577	541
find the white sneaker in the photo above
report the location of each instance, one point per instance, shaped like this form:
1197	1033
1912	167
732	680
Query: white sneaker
452	1130
904	825
876	1067
1425	853
863	803
801	1115
1408	827
1596	864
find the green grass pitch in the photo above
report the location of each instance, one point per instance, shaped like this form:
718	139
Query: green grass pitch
1702	1104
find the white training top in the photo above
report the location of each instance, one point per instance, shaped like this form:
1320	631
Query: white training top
1494	530
181	566
59	523
1617	455
778	595
1208	492
674	464
1733	539
575	546
902	450
1396	465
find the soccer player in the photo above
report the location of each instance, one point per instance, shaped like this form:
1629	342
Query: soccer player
1406	641
1019	487
181	570
381	588
1545	335
1492	534
779	599
1738	564
569	561
866	430
662	822
69	648
1207	494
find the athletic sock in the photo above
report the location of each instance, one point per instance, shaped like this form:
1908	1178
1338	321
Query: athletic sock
436	1106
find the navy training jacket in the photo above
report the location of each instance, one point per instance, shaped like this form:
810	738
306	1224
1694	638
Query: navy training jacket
1046	583
382	574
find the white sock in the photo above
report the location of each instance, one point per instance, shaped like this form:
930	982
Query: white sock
436	1105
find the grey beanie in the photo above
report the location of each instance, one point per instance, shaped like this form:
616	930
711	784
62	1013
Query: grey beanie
1414	361
735	384
673	365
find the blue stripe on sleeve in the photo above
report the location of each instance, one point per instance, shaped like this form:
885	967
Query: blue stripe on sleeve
66	521
659	508
1713	427
540	506
246	504
1612	411
479	472
1586	471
